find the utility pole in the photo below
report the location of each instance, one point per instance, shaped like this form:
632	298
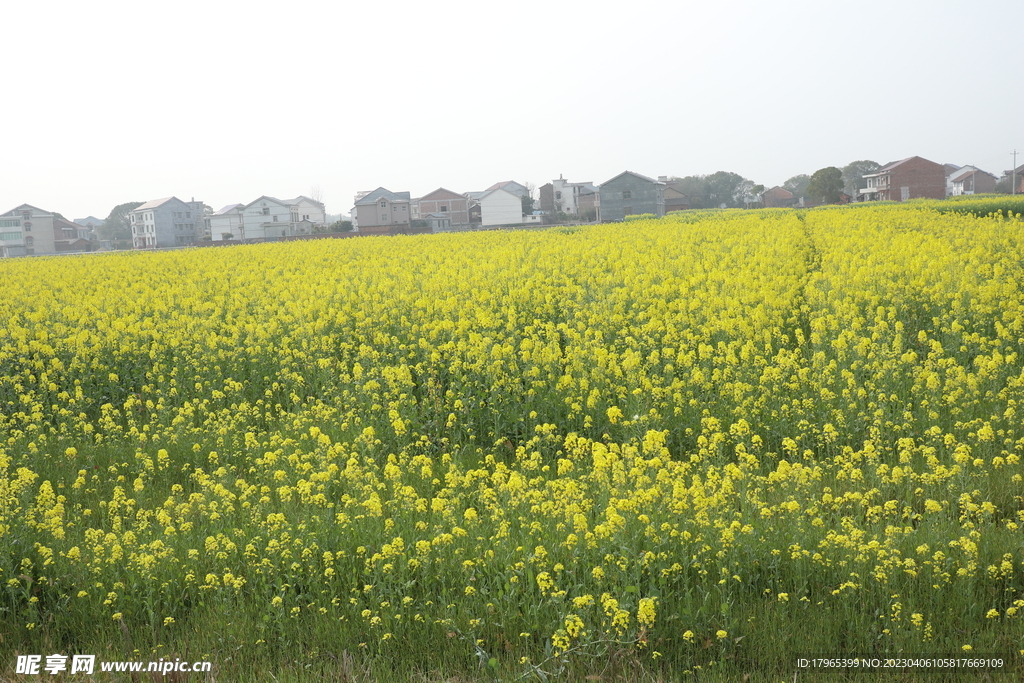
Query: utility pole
1013	174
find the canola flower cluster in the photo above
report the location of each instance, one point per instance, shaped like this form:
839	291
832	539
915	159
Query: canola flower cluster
672	435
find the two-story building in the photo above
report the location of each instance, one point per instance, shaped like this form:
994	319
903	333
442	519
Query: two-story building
26	231
267	218
970	180
908	178
444	209
629	194
500	207
382	208
71	237
167	222
562	196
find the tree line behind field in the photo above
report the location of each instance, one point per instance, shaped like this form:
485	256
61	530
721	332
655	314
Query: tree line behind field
725	189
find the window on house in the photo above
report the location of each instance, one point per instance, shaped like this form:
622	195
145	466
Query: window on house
275	219
266	211
627	194
558	195
383	204
383	218
28	227
444	208
26	215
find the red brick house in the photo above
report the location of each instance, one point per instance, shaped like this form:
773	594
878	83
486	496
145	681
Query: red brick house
778	197
907	179
442	202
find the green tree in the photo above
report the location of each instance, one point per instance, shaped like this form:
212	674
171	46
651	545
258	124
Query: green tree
725	188
825	185
715	190
695	189
853	175
341	226
527	205
117	228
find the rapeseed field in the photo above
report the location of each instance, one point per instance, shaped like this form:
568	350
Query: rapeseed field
693	448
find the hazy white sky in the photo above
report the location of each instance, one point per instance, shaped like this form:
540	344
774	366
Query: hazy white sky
110	101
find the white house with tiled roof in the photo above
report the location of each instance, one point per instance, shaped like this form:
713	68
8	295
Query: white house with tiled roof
227	221
518	189
500	207
267	218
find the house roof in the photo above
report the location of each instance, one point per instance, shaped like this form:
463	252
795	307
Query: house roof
893	164
298	199
503	185
488	193
152	204
228	209
62	223
442	193
22	207
84	222
383	193
266	196
966	173
642	177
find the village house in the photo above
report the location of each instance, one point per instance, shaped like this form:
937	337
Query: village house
629	194
778	197
71	237
675	198
227	223
444	209
561	196
908	178
382	208
500	207
26	231
970	180
167	222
